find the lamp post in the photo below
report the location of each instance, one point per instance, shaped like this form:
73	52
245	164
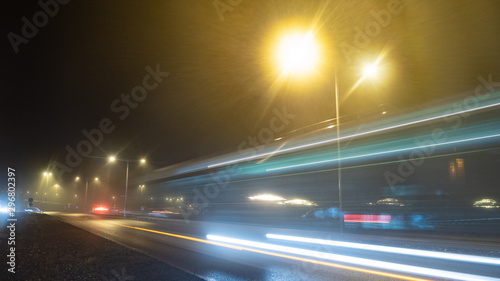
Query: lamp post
298	53
113	159
57	194
86	192
47	175
141	187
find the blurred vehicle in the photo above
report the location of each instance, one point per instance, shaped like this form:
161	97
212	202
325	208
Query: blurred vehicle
33	210
388	202
486	203
100	210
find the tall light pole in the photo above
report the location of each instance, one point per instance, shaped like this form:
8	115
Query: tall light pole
86	191
57	194
339	162
113	159
47	175
141	187
93	192
368	71
298	54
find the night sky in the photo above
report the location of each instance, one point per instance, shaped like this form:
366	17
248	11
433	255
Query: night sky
221	85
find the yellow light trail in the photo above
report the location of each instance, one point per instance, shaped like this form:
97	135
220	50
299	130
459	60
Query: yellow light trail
402	277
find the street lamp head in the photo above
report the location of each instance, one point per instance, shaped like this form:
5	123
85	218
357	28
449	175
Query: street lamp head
96	179
143	161
297	53
112	159
77	178
370	70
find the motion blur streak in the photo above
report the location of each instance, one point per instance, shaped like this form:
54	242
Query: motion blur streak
359	261
395	250
402	277
352	136
385	152
368	218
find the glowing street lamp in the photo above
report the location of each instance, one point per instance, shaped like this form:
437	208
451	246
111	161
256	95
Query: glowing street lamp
370	70
297	53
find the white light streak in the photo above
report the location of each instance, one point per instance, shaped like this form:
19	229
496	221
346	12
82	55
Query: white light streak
353	260
394	250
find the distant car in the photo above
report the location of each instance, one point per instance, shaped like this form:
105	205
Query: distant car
100	210
33	210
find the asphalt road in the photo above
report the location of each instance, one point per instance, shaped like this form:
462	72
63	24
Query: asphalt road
185	245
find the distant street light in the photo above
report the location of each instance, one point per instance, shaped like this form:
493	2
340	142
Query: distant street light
141	187
46	175
86	191
113	159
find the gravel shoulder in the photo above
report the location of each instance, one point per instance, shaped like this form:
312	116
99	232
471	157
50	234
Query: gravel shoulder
48	249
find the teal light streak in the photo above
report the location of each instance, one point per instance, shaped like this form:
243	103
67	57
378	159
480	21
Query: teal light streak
383	152
348	136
